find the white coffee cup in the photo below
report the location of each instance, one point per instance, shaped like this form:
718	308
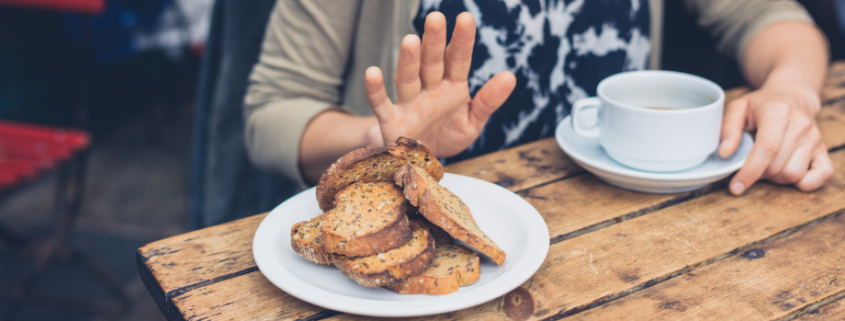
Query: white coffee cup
657	121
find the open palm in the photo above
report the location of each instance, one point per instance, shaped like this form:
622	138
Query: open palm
433	102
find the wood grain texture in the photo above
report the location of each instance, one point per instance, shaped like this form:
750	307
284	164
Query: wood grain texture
773	281
601	266
249	297
831	121
834	86
520	167
584	203
178	264
833	311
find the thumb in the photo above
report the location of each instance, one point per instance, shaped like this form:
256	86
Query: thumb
733	124
490	97
377	94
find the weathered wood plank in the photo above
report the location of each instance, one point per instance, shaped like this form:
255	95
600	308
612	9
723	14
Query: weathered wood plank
773	281
520	167
834	87
584	203
247	297
594	268
181	262
831	121
833	311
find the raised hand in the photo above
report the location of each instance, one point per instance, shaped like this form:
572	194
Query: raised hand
433	102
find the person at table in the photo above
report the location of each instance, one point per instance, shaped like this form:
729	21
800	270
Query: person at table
510	73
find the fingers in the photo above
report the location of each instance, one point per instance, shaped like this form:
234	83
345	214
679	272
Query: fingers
433	45
407	76
376	94
772	126
796	167
798	143
733	124
821	171
490	97
459	51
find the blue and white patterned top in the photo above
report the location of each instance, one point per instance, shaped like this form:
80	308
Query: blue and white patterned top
559	50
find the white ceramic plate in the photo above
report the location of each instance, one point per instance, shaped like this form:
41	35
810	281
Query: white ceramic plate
504	216
589	154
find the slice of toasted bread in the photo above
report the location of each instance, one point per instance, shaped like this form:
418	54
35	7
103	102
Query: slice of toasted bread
374	164
445	210
385	269
306	240
370	218
453	266
419	154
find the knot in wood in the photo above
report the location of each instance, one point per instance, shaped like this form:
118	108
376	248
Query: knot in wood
754	254
519	304
507	182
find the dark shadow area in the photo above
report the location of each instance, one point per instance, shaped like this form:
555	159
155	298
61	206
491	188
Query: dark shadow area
824	13
689	49
139	112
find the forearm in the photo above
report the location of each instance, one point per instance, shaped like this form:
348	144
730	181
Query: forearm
786	54
330	135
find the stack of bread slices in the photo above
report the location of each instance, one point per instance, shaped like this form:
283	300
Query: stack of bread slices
367	197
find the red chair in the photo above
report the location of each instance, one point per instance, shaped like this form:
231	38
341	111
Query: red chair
76	6
26	152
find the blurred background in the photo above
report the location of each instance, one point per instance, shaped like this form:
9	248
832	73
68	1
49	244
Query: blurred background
146	79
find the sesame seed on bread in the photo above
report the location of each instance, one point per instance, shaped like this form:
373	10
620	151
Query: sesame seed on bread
369	218
374	164
446	210
305	239
390	267
453	266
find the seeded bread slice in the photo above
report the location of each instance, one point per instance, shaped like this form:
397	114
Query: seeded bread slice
374	164
446	210
385	269
453	266
370	218
306	240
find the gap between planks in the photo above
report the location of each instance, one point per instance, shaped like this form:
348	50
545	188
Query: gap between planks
832	311
704	264
780	280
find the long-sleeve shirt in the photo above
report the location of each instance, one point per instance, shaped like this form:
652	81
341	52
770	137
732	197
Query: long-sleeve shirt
315	54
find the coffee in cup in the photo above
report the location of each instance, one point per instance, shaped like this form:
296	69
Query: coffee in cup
657	121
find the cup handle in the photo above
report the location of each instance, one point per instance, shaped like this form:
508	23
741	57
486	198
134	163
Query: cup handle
580	106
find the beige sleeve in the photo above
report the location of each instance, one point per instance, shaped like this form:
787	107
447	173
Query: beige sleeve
299	75
734	22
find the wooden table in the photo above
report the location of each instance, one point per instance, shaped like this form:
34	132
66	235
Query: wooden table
774	253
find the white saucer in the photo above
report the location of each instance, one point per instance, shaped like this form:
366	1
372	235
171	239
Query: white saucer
591	156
